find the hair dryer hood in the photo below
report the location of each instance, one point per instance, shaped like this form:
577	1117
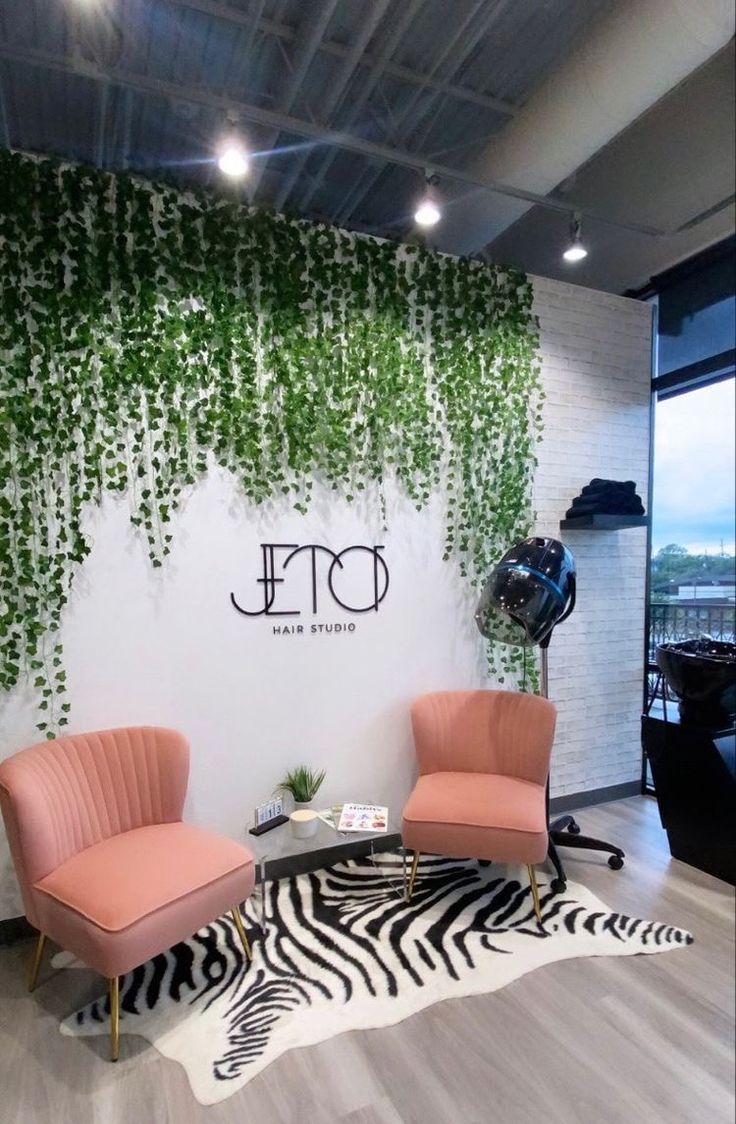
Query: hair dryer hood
529	592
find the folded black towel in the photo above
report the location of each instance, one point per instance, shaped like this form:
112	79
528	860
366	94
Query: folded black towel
589	506
606	497
621	500
598	484
610	488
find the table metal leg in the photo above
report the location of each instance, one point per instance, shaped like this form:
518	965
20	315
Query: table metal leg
263	896
387	877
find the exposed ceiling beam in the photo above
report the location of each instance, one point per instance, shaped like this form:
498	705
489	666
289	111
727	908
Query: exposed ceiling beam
318	17
457	50
341	50
373	14
245	43
307	42
421	133
299	127
391	39
461	145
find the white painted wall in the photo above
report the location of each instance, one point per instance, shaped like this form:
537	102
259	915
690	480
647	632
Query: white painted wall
167	647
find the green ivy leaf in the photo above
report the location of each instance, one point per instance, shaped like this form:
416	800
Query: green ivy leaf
285	351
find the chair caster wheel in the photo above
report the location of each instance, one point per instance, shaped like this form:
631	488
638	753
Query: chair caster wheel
615	862
558	885
573	828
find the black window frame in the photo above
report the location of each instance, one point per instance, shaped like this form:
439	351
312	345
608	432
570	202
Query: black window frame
682	380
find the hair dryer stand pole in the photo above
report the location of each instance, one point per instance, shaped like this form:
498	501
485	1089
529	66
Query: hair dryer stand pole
564	831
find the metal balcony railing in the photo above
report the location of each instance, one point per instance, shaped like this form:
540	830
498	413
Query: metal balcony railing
668	623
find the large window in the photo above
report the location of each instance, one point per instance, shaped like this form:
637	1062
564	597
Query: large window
692	580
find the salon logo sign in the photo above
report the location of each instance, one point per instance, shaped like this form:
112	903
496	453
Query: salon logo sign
311	581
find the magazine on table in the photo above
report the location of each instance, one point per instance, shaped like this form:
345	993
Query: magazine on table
363	817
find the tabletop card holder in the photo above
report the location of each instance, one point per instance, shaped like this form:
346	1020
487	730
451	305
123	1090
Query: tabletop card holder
268	816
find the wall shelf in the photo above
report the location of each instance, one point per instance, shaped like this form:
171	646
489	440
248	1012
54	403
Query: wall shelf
603	522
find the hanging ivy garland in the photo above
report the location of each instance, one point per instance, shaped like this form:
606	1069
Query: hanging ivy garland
143	329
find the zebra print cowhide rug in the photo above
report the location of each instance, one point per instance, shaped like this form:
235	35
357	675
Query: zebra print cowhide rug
344	951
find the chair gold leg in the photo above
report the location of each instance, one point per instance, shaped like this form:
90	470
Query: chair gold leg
36	961
412	876
235	914
114	989
535	893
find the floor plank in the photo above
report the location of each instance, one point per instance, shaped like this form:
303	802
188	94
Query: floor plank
607	1041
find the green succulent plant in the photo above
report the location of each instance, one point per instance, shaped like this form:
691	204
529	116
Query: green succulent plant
303	783
146	333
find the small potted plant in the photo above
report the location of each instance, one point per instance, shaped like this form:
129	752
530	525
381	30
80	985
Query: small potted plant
303	784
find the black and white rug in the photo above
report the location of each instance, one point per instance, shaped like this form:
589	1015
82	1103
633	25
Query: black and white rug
343	951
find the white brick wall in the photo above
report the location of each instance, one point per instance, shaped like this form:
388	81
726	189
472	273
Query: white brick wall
596	371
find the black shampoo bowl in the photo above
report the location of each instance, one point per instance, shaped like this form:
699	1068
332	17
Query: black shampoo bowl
702	674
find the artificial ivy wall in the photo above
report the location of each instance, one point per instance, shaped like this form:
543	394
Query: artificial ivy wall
144	330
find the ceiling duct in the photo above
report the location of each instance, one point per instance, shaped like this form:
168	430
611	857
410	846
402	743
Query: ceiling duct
623	66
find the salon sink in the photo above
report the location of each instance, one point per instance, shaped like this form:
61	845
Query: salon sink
702	674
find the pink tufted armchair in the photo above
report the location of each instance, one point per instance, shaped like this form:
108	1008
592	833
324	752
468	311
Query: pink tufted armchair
106	867
483	764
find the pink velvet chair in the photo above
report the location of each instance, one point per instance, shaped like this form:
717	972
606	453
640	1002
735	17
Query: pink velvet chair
106	867
483	764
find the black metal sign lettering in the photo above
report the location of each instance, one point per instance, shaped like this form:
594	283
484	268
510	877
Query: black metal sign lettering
337	572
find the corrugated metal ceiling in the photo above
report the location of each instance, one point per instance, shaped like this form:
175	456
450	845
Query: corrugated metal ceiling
150	85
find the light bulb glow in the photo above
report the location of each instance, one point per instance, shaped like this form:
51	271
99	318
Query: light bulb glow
233	161
427	213
575	252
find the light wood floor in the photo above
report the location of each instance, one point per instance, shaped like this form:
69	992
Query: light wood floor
633	1039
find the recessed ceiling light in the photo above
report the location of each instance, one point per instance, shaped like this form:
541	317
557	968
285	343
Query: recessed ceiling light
233	160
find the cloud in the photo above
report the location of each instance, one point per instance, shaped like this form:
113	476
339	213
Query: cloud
695	469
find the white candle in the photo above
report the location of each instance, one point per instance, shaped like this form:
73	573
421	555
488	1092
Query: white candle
304	823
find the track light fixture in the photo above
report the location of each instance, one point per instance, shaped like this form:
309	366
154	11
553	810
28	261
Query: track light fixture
575	251
232	155
428	212
233	159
